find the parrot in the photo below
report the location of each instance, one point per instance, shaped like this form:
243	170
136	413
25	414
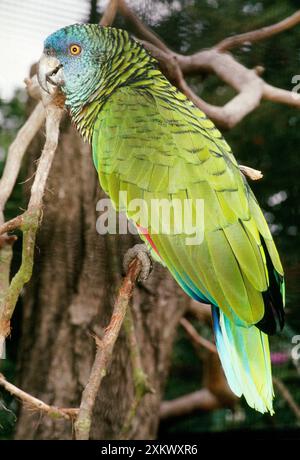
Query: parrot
152	143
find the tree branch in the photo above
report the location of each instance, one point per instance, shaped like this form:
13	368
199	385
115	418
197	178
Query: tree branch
103	357
248	84
201	311
12	224
16	152
105	347
196	338
253	174
199	400
271	93
109	13
37	404
259	34
29	221
215	393
142	30
281	387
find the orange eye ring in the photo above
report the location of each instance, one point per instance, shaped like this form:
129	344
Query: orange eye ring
75	49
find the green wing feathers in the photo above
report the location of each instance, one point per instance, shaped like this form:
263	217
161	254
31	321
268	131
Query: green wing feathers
158	145
152	148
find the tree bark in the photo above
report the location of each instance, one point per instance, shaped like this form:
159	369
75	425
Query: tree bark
76	275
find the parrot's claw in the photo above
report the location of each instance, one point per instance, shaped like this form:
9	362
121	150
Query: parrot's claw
142	253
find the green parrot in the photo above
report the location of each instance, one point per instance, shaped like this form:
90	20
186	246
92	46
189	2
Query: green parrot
151	143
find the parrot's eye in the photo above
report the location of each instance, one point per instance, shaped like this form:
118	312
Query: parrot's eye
75	49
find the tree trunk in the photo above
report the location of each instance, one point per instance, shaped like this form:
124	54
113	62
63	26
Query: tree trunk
76	276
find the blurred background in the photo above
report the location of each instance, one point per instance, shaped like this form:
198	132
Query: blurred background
268	139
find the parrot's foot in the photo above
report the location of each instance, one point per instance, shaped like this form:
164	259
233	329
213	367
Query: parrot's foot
142	253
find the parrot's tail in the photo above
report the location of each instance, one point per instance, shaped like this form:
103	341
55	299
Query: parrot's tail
245	357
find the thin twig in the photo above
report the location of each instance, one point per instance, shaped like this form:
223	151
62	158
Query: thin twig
37	404
201	311
109	13
253	174
196	338
259	34
281	387
105	347
141	29
12	224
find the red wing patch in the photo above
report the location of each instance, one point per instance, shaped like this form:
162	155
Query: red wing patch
146	234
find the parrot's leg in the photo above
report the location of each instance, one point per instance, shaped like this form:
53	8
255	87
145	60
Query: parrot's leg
142	252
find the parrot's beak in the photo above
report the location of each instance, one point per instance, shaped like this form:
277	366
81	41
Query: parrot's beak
50	73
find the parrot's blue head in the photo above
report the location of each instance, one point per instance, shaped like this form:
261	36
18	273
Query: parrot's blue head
73	58
89	62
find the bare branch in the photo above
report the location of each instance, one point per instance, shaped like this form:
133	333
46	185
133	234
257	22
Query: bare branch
250	87
54	112
103	357
281	387
7	240
201	311
11	171
104	352
33	87
195	337
199	400
246	82
16	153
215	393
253	174
37	404
259	34
142	30
6	255
109	13
30	220
271	93
12	224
